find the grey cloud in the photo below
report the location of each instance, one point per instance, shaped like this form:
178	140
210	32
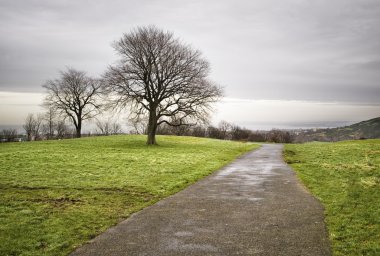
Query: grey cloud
304	50
370	66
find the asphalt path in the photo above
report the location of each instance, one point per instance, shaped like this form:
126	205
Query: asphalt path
253	206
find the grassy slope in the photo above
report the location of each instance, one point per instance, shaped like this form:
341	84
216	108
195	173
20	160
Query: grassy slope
369	129
54	195
345	176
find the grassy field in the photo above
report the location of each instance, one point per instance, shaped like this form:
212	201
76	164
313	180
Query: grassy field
345	177
55	195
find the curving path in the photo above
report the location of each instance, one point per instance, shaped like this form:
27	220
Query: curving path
253	206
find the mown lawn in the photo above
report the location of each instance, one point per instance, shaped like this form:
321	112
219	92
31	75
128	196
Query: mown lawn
345	177
55	195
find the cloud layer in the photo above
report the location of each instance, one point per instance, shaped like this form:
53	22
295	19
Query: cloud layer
325	51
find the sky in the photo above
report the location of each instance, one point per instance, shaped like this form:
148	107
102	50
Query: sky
284	63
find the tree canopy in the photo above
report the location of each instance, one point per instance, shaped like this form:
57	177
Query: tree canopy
161	78
75	95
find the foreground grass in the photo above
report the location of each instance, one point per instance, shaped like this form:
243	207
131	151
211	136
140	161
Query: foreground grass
55	195
345	177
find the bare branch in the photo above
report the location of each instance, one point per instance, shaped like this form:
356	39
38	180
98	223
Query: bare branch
161	78
74	95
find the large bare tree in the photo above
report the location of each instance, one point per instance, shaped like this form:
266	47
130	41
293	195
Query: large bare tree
75	95
162	78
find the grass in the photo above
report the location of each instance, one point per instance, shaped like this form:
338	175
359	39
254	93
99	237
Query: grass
345	177
55	195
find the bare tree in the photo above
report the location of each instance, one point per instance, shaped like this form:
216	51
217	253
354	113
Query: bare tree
199	131
257	136
138	124
116	128
29	126
162	78
49	125
103	127
213	132
8	135
32	126
224	129
74	95
62	129
38	126
279	136
238	133
108	127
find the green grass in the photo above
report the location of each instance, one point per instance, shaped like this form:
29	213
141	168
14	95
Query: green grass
345	177
55	195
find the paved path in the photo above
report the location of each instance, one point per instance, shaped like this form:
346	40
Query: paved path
254	206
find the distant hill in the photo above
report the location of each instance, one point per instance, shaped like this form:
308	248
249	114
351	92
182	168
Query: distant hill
369	129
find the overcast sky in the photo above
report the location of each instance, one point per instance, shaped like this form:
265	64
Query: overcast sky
284	61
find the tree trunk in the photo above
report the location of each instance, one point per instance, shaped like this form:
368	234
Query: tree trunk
79	128
51	129
152	128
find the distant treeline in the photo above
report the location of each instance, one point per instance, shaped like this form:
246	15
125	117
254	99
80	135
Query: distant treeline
228	131
10	135
38	128
50	125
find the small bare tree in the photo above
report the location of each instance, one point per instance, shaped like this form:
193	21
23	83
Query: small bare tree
32	127
74	95
116	128
29	126
103	127
138	124
49	125
199	131
238	133
162	78
38	127
224	129
108	127
8	135
62	129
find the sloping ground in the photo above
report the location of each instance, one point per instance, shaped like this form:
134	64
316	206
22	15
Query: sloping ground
55	195
369	129
345	176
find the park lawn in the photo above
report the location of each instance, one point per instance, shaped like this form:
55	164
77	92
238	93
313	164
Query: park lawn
56	195
345	177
